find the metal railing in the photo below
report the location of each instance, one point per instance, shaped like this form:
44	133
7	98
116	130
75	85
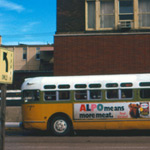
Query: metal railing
13	97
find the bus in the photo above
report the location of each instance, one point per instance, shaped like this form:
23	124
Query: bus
95	102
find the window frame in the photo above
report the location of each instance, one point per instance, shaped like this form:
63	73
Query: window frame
142	89
126	13
57	96
109	14
134	24
88	96
47	100
75	93
86	15
37	53
97	16
33	100
119	94
142	13
24	55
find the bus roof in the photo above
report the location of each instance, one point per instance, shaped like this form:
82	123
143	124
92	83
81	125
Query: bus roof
40	82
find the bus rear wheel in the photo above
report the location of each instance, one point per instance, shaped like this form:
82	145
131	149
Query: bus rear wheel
60	126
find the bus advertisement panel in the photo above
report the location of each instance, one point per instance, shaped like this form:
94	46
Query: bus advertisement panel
111	110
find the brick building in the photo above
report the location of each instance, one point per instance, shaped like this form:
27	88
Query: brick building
102	37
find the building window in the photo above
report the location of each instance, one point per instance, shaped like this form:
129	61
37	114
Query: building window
100	14
117	14
91	14
126	10
38	53
144	13
24	56
107	16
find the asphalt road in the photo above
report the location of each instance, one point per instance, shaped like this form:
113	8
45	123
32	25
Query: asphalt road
87	140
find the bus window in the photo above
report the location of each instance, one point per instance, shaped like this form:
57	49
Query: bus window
144	84
81	95
126	84
95	85
112	94
64	95
64	86
80	86
95	94
126	93
31	95
50	95
145	93
49	86
111	85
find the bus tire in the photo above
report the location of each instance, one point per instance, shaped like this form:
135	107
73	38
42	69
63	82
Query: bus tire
60	126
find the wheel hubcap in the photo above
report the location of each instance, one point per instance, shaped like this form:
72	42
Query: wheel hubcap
60	126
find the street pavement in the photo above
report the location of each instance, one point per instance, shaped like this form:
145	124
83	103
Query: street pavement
18	139
98	140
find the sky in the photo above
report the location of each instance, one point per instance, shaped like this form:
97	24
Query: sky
27	21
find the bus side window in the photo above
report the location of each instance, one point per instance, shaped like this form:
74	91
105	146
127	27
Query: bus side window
81	95
112	94
64	95
95	94
145	93
50	95
126	93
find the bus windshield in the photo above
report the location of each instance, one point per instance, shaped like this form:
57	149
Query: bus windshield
30	95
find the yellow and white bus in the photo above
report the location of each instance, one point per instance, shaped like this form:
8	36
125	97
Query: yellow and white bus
63	104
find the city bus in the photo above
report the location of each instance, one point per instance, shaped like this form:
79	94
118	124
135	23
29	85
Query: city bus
62	104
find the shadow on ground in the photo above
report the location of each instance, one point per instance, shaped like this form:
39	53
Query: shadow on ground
81	133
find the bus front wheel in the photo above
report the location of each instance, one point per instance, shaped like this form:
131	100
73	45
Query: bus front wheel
60	126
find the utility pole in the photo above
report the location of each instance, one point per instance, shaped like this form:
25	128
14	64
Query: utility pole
6	77
2	116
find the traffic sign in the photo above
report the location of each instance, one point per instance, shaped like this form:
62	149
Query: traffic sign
6	66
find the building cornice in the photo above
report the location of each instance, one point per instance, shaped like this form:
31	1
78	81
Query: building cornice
100	34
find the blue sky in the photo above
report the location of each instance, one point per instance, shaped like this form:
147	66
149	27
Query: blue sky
27	21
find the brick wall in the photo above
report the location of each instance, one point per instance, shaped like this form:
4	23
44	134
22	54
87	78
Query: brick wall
106	54
70	15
